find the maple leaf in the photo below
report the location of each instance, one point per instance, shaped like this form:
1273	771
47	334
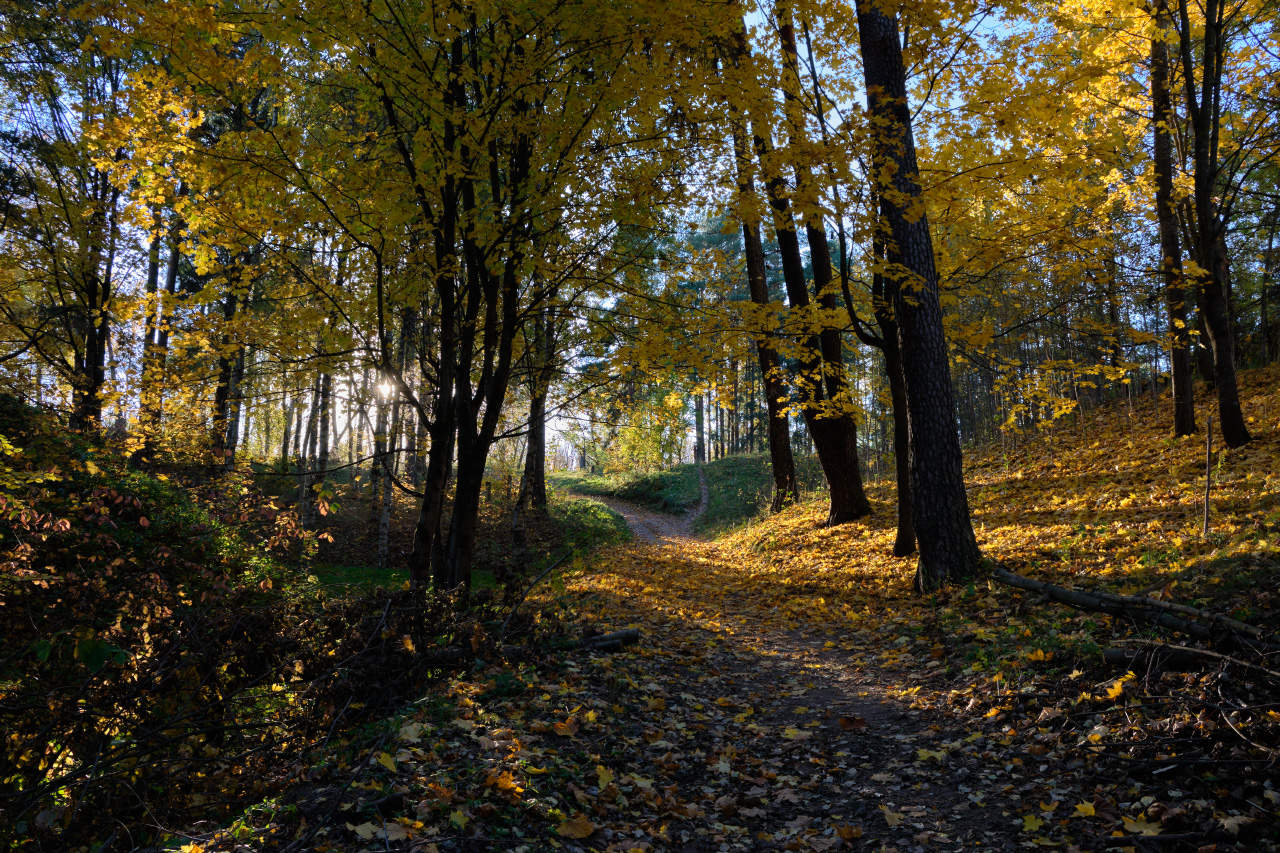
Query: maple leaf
604	776
891	817
1031	823
567	728
1138	826
1117	688
576	827
503	781
1084	809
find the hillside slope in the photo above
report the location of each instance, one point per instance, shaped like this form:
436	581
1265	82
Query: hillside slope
789	690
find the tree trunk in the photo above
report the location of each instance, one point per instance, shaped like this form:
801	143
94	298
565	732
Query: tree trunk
905	541
226	376
149	418
533	481
286	406
948	549
699	431
1184	413
782	461
1270	294
306	503
834	436
1204	112
823	380
322	454
234	409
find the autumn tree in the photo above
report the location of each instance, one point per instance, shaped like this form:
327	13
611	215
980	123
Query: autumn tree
62	232
948	549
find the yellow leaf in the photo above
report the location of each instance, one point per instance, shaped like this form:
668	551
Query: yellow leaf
792	733
603	776
1040	655
407	642
1137	826
568	728
503	781
387	761
1031	823
577	827
459	819
1116	689
891	817
1084	810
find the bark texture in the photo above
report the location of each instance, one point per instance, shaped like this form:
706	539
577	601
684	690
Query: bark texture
948	549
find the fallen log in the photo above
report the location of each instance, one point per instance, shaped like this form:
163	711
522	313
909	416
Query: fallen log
1209	627
612	642
1176	657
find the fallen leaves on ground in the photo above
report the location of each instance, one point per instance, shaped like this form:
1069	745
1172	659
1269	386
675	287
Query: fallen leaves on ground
790	691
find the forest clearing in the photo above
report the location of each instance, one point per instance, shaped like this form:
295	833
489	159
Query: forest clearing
639	425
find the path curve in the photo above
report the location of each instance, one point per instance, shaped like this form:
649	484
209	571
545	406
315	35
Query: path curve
660	528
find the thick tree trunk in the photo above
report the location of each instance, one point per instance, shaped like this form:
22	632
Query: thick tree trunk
1204	111
1184	413
226	369
306	467
948	549
235	407
149	382
533	479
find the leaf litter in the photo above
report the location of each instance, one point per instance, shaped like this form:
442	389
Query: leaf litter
790	692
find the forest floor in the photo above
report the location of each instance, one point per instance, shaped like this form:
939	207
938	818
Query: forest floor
790	691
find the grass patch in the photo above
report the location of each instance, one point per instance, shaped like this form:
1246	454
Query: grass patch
362	577
739	488
674	491
586	524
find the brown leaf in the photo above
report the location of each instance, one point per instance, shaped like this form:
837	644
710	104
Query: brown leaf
576	827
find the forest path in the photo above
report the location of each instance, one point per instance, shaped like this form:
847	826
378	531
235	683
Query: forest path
764	730
654	527
773	702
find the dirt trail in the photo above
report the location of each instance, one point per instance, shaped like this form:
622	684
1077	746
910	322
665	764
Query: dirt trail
832	755
659	527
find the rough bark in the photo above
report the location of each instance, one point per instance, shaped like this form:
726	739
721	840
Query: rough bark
948	550
1184	413
1204	110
